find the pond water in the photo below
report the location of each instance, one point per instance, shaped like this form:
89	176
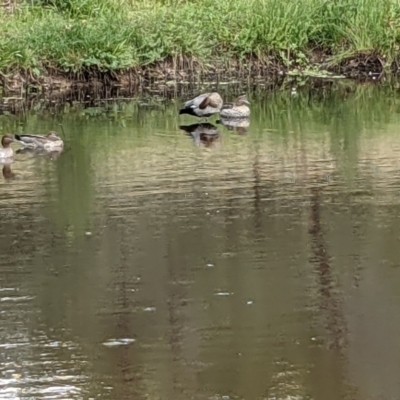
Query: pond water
147	262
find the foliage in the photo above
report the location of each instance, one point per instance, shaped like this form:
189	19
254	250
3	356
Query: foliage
115	35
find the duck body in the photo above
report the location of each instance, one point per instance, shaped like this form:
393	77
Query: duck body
203	106
239	109
6	152
50	142
240	125
40	152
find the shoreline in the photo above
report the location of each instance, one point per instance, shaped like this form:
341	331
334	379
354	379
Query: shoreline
169	74
95	93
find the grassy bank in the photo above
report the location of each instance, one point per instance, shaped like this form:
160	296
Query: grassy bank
42	37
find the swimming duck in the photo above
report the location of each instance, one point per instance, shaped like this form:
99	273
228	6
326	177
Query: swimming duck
204	105
240	125
6	152
40	152
238	109
50	142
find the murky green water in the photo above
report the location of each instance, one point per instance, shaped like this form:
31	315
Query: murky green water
259	264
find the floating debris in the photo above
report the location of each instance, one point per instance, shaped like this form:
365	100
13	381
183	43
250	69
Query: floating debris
13	345
223	294
149	309
17	298
118	342
250	302
209	265
315	73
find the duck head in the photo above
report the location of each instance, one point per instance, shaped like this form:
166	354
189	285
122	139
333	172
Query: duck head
53	136
242	101
6	140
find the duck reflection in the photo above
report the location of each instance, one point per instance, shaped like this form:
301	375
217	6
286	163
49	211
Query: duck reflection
7	172
239	125
204	135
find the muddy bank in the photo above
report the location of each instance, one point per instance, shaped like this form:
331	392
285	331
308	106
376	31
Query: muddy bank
167	75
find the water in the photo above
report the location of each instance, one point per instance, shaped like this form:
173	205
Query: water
261	264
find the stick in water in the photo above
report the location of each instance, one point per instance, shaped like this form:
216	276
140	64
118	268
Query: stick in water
62	130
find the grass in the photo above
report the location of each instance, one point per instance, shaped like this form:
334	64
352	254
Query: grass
77	36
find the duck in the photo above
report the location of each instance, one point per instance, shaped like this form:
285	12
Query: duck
50	142
240	125
40	152
203	106
6	152
238	109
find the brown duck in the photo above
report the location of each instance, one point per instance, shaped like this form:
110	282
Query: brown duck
239	109
6	152
240	125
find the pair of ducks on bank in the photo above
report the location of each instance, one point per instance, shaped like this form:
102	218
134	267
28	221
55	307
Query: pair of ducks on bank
49	143
208	104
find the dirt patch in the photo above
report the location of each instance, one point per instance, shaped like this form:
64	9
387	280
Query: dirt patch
365	65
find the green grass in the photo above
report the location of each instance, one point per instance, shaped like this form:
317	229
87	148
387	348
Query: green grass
75	36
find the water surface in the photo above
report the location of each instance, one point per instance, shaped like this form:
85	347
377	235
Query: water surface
149	263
